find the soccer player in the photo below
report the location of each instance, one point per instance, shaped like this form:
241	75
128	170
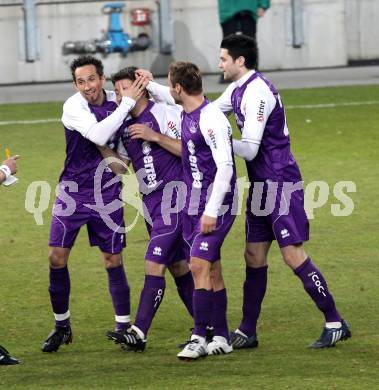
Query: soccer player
7	168
265	145
151	141
90	118
209	175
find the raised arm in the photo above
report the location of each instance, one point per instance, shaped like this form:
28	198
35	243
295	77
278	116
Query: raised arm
78	117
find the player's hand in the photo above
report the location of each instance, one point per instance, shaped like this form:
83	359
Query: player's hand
261	12
145	73
207	224
135	91
11	163
141	131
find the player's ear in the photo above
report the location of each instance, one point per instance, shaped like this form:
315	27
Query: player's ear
103	79
241	61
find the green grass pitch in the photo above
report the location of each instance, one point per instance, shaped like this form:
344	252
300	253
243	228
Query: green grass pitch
331	144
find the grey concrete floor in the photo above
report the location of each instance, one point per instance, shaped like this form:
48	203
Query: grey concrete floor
363	75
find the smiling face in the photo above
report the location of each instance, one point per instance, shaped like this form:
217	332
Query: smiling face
231	68
89	84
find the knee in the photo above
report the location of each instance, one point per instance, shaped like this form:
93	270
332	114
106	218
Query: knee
254	259
58	257
179	268
112	260
197	270
217	279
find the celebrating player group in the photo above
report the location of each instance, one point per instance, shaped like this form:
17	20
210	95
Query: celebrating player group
181	149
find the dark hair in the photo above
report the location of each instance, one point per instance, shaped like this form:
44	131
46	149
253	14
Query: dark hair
239	45
86	60
187	75
128	73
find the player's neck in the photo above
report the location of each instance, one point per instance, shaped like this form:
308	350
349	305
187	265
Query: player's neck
192	102
140	106
242	73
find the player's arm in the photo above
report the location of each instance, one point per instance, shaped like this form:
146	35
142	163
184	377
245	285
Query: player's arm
160	93
218	139
224	101
257	106
78	117
7	168
118	167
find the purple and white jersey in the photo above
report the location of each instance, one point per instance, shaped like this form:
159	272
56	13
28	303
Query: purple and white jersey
82	155
260	116
154	165
206	143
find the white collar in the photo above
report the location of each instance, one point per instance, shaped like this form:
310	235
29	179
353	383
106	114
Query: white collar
244	78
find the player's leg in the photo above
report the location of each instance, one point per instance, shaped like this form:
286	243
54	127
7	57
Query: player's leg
315	285
63	233
220	342
111	241
184	282
254	289
291	230
59	290
118	289
202	309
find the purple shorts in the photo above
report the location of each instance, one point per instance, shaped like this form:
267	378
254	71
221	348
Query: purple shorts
206	246
286	221
166	243
64	229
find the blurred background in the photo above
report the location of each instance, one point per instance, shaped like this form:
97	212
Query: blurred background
39	38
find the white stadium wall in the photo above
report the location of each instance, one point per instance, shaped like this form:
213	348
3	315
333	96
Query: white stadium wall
333	32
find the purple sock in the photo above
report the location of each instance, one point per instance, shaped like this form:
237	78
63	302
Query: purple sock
254	290
219	307
150	299
120	293
185	285
202	310
316	287
59	290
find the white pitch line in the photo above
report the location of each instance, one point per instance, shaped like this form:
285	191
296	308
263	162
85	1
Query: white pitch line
300	106
332	105
30	122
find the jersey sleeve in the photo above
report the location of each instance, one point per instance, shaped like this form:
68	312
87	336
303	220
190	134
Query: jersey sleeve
224	101
172	127
217	131
77	116
256	106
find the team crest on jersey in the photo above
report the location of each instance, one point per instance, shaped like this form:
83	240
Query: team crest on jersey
146	148
193	127
148	124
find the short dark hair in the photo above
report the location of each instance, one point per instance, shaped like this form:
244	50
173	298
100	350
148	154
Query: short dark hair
239	45
128	73
187	75
86	60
